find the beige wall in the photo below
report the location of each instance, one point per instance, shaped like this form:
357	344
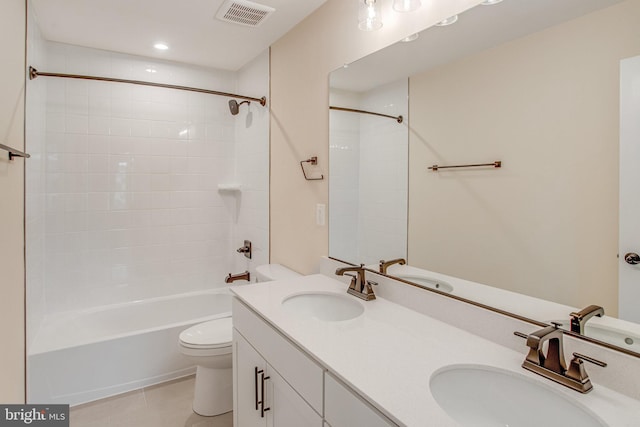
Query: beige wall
546	224
12	33
300	64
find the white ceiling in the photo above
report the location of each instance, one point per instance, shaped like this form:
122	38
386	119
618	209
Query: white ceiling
477	29
189	27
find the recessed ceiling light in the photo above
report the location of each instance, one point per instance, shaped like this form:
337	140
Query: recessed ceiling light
450	20
161	46
490	2
410	38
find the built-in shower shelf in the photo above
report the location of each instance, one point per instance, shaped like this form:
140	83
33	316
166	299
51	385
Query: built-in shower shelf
234	186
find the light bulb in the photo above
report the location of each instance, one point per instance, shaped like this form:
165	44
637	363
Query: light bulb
406	5
369	16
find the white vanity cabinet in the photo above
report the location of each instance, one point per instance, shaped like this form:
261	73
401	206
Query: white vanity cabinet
264	398
296	390
343	408
269	368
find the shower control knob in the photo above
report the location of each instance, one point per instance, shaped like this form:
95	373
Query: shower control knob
632	258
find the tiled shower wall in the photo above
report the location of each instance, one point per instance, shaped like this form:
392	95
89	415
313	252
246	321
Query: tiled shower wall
344	186
35	196
384	174
132	208
369	175
252	167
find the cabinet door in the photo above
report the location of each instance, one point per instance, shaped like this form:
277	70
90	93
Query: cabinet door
343	408
287	408
249	369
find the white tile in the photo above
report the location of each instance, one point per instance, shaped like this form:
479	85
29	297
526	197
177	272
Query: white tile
160	164
179	165
100	89
122	108
120	145
98	163
77	105
98	183
76	143
56	122
99	125
97	144
120	127
76	88
141	110
97	201
140	128
99	105
160	199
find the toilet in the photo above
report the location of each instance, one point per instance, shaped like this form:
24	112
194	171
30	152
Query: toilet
209	346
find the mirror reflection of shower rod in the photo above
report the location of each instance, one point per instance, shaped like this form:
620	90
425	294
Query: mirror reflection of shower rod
496	164
399	119
33	73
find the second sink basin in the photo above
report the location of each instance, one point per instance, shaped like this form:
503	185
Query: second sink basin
608	334
427	282
476	395
323	306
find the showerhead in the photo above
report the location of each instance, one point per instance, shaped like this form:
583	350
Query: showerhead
235	107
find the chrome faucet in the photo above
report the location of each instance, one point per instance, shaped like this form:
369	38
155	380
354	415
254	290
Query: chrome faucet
359	287
552	365
386	264
579	319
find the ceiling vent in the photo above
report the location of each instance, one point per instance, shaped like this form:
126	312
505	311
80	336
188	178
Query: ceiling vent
244	12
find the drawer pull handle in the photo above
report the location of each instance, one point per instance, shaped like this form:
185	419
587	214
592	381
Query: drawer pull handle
255	378
262	408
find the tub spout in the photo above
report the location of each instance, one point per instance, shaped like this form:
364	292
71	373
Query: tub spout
241	276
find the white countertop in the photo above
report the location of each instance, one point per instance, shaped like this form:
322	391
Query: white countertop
389	353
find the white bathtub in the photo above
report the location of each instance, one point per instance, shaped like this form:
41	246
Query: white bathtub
90	354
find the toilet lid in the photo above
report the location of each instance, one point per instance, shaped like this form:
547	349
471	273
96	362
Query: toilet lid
211	334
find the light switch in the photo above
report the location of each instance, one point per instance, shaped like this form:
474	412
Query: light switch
320	213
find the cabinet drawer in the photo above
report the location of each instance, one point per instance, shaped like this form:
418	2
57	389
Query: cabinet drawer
295	367
343	408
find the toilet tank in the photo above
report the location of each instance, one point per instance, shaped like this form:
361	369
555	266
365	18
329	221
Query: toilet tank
269	272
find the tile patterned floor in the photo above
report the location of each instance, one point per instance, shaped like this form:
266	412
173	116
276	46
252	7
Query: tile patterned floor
162	405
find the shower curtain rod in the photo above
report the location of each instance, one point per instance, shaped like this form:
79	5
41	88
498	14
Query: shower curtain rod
399	119
33	73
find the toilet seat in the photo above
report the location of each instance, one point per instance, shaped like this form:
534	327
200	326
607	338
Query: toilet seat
209	338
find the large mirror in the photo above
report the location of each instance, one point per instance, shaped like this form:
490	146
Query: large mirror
535	85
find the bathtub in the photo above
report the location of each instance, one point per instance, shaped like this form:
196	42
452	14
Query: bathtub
82	356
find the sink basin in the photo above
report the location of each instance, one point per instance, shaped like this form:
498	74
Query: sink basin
475	395
323	306
607	334
426	282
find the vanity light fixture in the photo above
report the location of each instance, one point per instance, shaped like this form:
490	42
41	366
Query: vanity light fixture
490	2
369	15
449	21
161	46
406	5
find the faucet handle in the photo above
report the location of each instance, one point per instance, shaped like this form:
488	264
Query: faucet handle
577	371
578	356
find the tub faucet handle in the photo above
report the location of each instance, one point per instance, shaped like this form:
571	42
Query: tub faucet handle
246	249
